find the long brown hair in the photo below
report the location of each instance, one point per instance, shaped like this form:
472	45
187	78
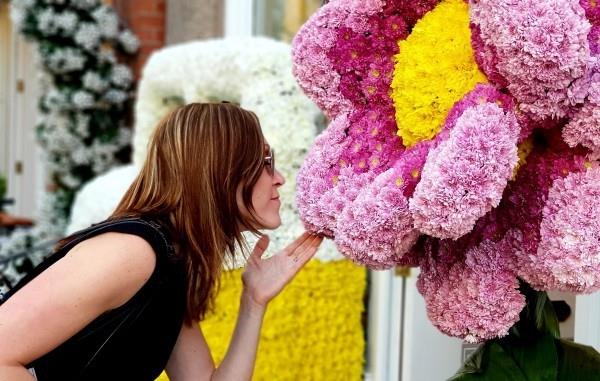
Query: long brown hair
198	157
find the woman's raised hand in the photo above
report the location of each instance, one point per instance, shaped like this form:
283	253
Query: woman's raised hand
265	278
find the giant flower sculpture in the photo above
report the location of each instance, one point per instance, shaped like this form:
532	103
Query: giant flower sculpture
464	139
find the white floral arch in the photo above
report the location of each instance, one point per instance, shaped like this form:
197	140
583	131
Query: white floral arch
254	72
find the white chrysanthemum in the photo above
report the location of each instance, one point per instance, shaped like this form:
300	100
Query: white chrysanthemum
83	100
47	21
66	22
121	76
65	60
93	81
70	181
55	99
88	35
82	125
107	56
128	41
23	4
107	20
85	4
104	156
115	96
80	156
60	140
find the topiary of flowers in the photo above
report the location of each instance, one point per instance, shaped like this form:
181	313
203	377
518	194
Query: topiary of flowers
464	140
82	108
325	302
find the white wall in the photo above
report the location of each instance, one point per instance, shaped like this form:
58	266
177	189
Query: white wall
587	320
428	354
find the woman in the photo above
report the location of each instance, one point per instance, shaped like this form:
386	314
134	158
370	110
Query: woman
122	299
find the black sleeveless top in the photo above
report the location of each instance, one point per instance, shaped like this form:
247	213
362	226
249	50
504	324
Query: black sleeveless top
134	341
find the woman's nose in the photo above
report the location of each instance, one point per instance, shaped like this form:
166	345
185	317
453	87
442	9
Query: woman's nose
278	179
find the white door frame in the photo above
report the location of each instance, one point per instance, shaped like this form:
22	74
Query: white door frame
23	155
587	320
239	18
5	64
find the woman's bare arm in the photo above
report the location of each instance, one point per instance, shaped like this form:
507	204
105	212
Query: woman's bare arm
97	275
263	280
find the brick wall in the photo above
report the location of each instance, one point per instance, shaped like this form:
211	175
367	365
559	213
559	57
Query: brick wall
147	19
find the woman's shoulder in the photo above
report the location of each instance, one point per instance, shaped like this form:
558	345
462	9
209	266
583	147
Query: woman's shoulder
126	261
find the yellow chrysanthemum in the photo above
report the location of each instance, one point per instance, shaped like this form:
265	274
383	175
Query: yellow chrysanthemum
434	69
312	331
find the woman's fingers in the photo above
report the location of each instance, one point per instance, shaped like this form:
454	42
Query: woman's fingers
289	249
260	247
307	249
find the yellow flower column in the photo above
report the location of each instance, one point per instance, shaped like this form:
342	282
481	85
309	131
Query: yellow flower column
312	331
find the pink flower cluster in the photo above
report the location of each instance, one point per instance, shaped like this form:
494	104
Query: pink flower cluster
474	294
508	189
464	177
584	127
536	49
567	255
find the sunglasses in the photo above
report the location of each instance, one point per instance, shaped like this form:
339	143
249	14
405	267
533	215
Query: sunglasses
270	162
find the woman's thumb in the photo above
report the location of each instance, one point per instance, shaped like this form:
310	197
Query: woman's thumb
260	247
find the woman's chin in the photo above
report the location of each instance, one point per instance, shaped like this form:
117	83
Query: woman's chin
272	224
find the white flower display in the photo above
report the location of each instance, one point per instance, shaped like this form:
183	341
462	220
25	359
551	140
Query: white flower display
65	60
83	4
82	99
115	96
94	82
121	76
129	41
88	35
107	21
46	21
97	199
66	22
84	93
254	72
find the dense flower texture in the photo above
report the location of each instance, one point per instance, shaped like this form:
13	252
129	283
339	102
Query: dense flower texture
539	48
480	171
324	303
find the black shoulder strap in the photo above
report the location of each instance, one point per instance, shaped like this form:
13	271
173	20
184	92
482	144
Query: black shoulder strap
149	230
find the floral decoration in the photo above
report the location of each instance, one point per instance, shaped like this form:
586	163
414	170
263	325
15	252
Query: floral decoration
82	109
466	144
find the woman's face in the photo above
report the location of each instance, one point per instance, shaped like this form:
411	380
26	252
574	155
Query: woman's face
265	194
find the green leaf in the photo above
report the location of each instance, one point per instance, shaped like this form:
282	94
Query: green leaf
577	362
496	365
551	324
536	358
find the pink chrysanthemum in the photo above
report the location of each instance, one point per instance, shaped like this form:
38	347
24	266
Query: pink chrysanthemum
312	67
315	177
569	249
541	48
376	229
465	176
584	127
473	296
